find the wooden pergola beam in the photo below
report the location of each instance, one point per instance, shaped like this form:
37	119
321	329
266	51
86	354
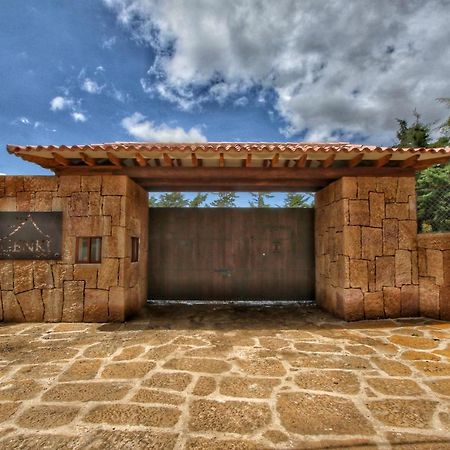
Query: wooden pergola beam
140	160
194	160
61	160
48	163
355	160
328	162
221	160
168	161
381	162
114	159
409	162
420	165
87	159
275	160
301	162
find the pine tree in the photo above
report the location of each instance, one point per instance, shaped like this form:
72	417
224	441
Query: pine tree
416	135
198	200
295	200
172	200
224	200
259	200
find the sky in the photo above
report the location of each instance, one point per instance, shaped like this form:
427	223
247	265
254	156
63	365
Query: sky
90	71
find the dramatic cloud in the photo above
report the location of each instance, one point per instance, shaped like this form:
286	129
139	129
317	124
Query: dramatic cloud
91	86
78	117
61	103
146	130
333	69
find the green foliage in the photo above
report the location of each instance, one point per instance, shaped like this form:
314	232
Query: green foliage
259	200
198	201
171	200
416	135
433	199
295	200
224	200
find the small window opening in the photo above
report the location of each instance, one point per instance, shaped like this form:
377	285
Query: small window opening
134	249
89	250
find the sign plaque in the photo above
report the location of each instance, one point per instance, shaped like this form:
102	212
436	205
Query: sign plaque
30	235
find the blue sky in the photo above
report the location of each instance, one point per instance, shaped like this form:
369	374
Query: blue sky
91	71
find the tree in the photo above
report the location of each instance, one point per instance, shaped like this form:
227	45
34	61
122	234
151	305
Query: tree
295	200
172	200
416	135
224	200
198	200
259	200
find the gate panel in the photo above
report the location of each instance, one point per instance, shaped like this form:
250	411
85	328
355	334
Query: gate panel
231	254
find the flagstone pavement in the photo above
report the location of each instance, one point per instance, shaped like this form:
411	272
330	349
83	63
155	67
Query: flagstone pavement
204	377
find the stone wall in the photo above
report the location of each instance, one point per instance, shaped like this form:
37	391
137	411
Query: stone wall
366	248
112	207
434	275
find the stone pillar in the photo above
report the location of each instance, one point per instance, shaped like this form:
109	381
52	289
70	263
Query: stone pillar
111	207
434	275
366	248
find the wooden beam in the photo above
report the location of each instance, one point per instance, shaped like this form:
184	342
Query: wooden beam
194	159
301	162
409	162
114	159
87	159
383	160
141	160
355	160
48	163
275	160
431	162
287	162
168	161
61	160
157	162
266	163
328	162
221	160
248	160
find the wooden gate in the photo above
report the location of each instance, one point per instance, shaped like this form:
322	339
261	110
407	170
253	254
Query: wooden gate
231	254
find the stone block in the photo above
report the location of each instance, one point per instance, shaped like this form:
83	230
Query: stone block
409	296
407	234
403	268
116	302
429	298
31	305
25	201
12	312
85	226
359	212
6	276
91	183
57	204
352	305
108	273
86	273
61	273
352	241
446	263
376	208
23	276
436	241
38	184
435	265
73	304
412	204
388	185
53	304
111	207
444	303
392	302
96	305
373	305
8	204
358	274
95	204
114	185
371	275
343	267
406	187
385	272
42	275
414	268
372	243
398	211
390	236
422	261
13	185
68	184
78	204
43	201
115	245
366	185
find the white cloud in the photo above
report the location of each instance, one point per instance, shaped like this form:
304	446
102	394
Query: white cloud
91	86
60	103
109	42
78	116
146	130
352	66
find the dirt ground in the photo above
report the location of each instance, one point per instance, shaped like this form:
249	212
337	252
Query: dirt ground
203	377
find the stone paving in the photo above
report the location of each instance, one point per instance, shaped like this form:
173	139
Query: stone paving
197	377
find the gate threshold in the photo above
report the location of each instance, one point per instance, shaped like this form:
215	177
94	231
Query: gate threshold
251	302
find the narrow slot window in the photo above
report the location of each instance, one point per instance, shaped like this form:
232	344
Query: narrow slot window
134	249
89	250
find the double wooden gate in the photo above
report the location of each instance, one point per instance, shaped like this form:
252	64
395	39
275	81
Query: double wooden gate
231	254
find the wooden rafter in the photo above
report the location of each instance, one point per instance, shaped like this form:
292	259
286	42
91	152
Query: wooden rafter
328	162
420	165
114	159
61	160
48	163
275	160
87	159
301	162
221	160
287	162
194	160
157	162
140	160
409	162
383	160
355	160
179	162
248	160
168	161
